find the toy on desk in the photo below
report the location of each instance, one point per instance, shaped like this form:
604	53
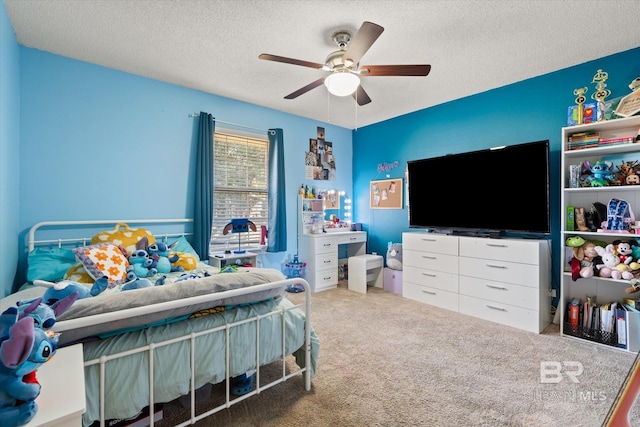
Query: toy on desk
239	225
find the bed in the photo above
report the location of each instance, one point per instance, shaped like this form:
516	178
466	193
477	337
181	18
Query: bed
153	345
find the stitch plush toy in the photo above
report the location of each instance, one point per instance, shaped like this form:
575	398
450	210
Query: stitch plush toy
23	349
161	254
44	315
140	263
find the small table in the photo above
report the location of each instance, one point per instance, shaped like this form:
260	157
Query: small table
220	259
62	399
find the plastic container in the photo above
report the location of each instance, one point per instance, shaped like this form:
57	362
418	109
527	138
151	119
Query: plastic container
292	270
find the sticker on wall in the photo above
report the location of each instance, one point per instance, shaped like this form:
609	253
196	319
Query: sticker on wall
320	163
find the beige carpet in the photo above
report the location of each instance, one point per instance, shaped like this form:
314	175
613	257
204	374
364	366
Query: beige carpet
389	361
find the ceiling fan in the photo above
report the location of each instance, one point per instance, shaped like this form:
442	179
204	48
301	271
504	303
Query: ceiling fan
344	65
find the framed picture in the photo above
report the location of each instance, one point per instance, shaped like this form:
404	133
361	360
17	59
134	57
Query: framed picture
386	194
629	105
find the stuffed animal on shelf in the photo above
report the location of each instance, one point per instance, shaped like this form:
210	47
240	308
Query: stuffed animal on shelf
610	262
625	251
24	349
394	256
585	257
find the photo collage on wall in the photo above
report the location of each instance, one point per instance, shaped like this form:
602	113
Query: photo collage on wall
320	163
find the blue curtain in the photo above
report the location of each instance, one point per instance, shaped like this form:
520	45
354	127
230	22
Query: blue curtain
277	227
203	209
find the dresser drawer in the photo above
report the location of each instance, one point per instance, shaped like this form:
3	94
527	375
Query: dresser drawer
325	279
521	251
505	314
355	237
430	261
430	242
505	293
326	261
325	244
432	296
430	278
501	271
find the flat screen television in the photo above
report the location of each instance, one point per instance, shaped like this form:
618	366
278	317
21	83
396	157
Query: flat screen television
497	190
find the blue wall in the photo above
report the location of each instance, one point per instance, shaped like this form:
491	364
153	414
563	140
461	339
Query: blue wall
531	110
77	139
95	143
9	151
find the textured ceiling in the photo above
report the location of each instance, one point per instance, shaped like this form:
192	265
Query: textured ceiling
213	46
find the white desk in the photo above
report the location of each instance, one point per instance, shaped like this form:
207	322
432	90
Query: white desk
320	252
62	399
220	259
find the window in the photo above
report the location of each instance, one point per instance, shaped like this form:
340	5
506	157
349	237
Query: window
240	185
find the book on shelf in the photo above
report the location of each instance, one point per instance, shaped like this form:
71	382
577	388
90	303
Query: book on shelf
616	141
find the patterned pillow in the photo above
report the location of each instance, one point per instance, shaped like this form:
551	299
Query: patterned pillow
124	236
104	259
185	260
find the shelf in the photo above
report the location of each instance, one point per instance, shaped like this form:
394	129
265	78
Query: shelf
604	290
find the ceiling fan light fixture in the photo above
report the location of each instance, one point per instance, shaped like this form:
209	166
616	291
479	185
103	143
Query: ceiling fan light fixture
342	83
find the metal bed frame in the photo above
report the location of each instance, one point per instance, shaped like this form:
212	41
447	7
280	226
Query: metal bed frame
61	326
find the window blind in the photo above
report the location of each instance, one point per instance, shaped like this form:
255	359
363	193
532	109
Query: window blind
240	187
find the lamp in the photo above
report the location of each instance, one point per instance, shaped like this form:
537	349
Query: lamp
342	83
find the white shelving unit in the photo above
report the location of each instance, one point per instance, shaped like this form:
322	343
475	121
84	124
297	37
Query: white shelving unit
309	209
603	289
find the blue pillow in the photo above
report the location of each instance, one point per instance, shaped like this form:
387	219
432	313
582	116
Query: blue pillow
49	263
183	245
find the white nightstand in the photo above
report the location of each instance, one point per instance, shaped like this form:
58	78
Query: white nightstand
62	399
220	259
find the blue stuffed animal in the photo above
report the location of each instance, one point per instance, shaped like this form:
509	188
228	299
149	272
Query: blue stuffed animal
141	263
23	349
44	315
161	255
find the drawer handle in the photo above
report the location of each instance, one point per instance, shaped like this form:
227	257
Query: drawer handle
502	288
428	240
428	292
496	245
496	308
326	244
429	257
429	275
327	262
502	267
326	278
353	238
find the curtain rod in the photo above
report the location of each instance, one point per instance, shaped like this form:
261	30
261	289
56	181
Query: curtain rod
194	115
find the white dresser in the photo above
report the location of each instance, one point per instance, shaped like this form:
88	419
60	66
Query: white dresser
505	281
320	252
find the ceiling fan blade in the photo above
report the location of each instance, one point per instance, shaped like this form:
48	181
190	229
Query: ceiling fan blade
394	70
276	58
305	89
361	42
361	96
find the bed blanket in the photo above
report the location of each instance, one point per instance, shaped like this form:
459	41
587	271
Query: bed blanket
109	302
126	394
